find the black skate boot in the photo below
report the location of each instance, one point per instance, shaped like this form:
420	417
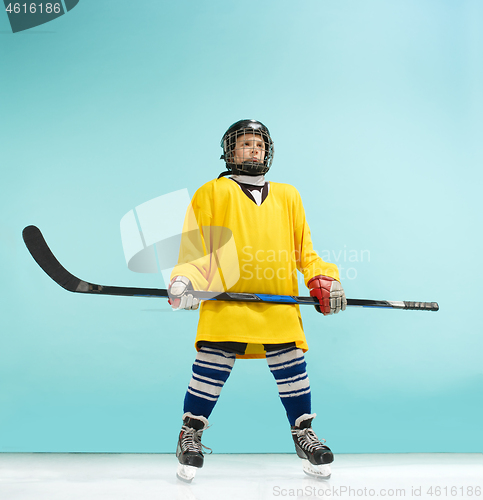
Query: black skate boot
189	450
315	455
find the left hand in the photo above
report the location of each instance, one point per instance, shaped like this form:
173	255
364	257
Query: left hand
330	294
179	294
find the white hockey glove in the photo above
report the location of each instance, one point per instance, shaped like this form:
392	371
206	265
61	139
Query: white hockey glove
179	296
330	294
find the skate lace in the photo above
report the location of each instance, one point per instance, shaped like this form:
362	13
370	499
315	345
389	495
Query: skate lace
191	440
309	440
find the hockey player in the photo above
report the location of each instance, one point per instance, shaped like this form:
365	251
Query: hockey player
270	240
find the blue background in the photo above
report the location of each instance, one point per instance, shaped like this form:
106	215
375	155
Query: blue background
375	108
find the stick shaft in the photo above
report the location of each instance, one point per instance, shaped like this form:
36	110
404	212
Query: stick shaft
44	257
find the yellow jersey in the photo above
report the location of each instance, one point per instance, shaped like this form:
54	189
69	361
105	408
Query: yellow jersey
230	243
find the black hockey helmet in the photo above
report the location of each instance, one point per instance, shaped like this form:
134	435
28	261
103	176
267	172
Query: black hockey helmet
228	143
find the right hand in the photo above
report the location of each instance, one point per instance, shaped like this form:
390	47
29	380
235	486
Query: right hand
179	296
329	293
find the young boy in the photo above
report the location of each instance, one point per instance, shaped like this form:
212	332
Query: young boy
244	234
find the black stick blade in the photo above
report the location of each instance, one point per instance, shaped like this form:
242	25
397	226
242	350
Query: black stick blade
44	257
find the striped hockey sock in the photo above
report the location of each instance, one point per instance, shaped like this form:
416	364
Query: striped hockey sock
211	369
288	368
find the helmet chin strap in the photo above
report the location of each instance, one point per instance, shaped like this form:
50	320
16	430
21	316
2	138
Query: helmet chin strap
233	168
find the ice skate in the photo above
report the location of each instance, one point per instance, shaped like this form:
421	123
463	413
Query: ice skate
316	457
189	450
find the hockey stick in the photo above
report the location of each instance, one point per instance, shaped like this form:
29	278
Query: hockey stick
44	257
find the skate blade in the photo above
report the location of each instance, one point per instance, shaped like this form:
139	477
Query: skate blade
319	471
186	473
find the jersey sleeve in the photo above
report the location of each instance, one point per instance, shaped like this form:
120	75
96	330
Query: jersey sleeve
204	255
308	261
193	259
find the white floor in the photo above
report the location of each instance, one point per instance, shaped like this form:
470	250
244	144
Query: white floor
33	476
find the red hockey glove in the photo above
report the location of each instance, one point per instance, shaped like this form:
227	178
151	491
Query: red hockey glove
179	296
329	293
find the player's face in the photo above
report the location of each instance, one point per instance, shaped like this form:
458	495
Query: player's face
249	147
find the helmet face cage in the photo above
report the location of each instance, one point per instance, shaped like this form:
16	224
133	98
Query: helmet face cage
248	148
